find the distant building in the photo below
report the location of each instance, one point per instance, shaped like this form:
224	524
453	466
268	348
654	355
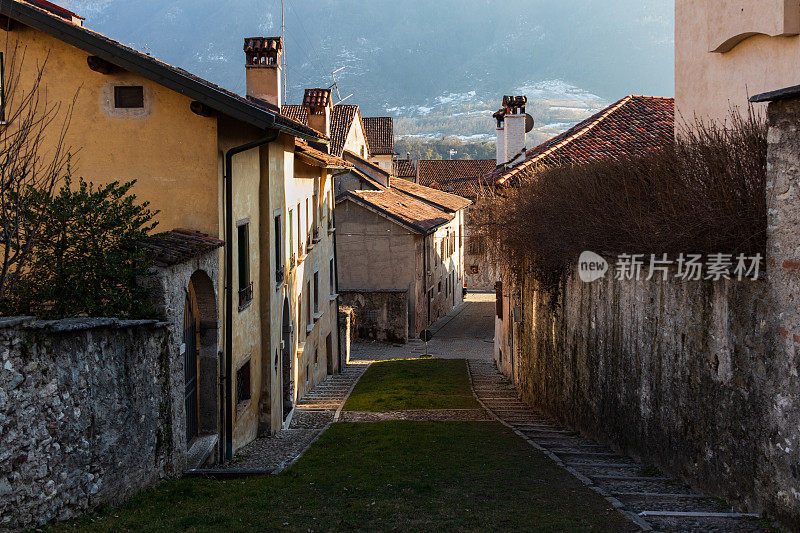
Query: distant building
401	256
466	178
380	140
405	168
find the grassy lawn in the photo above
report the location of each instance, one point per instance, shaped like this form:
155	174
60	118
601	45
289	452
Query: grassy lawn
393	476
413	384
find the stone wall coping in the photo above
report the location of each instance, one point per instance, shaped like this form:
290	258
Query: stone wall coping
66	325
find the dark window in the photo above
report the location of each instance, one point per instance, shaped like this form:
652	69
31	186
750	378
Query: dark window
316	292
308	304
278	251
307	373
243	243
440	287
243	383
128	97
290	227
316	356
332	281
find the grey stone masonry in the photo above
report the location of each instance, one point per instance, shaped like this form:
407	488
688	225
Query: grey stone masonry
84	415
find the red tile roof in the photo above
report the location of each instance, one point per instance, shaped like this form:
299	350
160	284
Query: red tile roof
179	245
458	176
321	158
380	135
342	117
443	200
404	168
629	127
391	203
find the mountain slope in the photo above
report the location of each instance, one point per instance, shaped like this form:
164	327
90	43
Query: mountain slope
419	58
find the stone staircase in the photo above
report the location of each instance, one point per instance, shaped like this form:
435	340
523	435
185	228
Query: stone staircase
652	501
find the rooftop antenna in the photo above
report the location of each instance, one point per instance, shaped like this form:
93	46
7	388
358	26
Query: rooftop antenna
283	42
336	86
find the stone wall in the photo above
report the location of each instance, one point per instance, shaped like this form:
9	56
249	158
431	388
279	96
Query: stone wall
85	416
685	376
378	315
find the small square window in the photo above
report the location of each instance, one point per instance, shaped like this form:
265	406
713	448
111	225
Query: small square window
128	96
243	383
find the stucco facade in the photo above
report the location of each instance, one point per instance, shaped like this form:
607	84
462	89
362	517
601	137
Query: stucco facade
726	51
175	150
378	254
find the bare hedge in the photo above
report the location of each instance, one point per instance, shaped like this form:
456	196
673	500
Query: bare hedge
705	193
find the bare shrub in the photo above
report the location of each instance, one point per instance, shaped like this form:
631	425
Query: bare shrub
704	194
30	166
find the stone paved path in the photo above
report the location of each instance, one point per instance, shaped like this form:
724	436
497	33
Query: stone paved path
311	417
654	502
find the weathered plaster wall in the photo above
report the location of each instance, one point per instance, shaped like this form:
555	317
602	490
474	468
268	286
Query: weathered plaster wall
84	416
708	83
378	315
169	150
685	376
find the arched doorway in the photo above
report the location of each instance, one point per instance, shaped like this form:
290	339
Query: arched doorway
191	365
286	360
201	360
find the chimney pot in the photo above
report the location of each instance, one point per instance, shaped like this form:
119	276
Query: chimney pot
318	103
263	69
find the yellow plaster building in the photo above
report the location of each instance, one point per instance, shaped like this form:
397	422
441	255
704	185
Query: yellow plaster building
255	320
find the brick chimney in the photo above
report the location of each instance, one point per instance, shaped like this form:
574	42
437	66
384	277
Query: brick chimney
511	129
263	69
319	105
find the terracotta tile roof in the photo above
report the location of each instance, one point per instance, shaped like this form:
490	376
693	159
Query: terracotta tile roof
255	112
404	168
341	121
629	127
322	158
380	135
317	97
391	203
446	201
179	245
458	176
342	117
295	112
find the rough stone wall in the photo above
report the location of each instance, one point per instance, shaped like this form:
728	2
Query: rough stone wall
681	375
378	315
84	416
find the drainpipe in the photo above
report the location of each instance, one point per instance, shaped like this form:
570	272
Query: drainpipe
227	415
425	280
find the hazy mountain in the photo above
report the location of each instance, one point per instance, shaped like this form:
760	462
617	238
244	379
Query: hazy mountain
440	64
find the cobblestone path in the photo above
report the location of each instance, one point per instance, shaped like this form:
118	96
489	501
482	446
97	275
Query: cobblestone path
311	416
654	502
